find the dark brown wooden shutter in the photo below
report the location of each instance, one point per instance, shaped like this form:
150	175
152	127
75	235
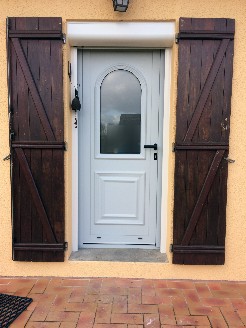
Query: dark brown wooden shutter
37	138
202	137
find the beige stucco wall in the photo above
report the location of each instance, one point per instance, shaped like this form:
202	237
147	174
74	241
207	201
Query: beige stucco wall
235	266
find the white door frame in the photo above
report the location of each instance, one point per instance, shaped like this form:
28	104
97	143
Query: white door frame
130	35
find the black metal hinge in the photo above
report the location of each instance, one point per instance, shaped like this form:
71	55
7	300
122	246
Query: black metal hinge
171	248
65	246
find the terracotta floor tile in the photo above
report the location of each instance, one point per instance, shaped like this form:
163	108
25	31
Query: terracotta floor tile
62	316
86	320
225	294
134	295
113	290
156	299
32	306
68	325
142	308
135	326
238	303
214	285
106	298
243	318
127	318
119	307
212	301
42	325
21	320
242	312
191	296
103	313
166	309
202	289
148	283
205	310
136	282
40	313
150	291
4	281
218	322
180	306
180	284
77	294
231	317
40	286
75	282
160	284
192	320
152	321
109	282
168	292
81	307
43	298
167	319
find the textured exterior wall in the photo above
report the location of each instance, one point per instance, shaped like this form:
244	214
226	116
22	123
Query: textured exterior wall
235	266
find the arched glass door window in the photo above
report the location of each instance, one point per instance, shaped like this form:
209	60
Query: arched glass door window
120	114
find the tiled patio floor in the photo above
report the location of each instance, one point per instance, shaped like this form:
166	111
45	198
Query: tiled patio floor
128	303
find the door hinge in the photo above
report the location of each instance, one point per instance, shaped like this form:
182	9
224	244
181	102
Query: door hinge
171	248
173	147
65	246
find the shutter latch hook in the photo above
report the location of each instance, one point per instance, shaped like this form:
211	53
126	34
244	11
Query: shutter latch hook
229	160
7	157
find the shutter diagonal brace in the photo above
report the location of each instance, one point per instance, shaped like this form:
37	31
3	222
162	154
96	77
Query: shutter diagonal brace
206	90
33	90
35	195
202	197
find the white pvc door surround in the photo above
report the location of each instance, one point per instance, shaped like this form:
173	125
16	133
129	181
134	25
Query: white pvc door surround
129	35
122	113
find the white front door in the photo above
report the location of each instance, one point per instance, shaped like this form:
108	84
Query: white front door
119	172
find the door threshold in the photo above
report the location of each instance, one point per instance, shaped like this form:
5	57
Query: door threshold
119	255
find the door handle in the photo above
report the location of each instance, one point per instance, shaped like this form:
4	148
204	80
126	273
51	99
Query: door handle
154	146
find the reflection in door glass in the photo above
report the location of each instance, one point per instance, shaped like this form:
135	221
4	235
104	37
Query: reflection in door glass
120	122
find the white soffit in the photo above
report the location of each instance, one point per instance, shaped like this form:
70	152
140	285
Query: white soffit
121	34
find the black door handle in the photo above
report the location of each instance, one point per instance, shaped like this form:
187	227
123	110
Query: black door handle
154	146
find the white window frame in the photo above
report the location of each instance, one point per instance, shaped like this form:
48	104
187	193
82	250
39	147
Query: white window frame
152	35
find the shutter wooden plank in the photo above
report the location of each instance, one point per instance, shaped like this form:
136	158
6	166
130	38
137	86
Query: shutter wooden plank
202	137
35	195
33	90
202	197
206	90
